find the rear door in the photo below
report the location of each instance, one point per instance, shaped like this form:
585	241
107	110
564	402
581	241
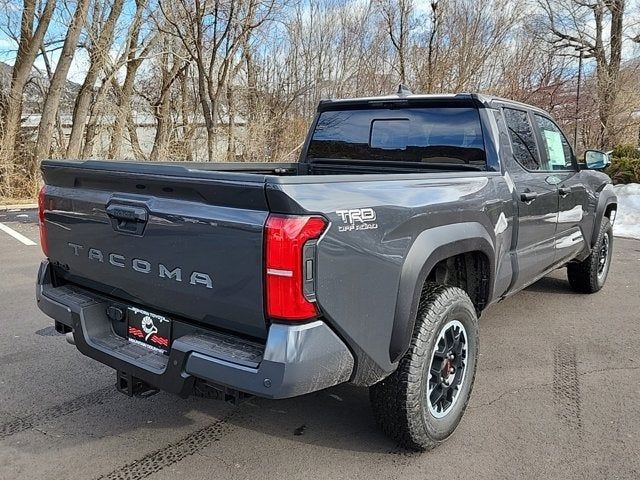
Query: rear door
168	240
571	189
536	197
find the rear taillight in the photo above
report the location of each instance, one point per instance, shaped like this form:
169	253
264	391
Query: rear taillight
290	256
43	229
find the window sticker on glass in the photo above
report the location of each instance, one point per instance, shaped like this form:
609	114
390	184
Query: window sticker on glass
557	147
554	148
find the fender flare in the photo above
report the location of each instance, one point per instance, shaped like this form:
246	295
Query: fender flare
606	198
429	248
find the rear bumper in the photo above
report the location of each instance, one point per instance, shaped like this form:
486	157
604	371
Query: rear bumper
295	360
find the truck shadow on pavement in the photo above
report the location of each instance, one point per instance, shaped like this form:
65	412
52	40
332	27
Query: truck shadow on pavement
337	418
553	285
334	419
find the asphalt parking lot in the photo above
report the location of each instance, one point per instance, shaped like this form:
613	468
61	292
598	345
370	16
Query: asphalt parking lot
557	395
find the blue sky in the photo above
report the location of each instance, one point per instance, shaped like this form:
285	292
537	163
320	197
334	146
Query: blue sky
57	27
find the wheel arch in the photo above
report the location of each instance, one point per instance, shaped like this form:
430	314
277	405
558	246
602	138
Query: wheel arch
607	203
430	248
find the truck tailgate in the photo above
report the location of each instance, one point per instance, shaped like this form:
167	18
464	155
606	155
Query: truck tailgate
168	239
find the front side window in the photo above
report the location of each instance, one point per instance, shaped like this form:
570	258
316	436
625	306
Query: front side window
428	135
523	140
559	153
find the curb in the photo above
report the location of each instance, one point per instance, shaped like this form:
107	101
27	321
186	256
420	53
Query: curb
20	206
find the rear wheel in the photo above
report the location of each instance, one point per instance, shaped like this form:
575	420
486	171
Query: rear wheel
589	275
422	402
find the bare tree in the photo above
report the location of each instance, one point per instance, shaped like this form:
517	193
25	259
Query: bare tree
137	50
213	32
473	35
58	82
432	50
172	67
569	23
47	65
240	79
397	16
100	39
33	27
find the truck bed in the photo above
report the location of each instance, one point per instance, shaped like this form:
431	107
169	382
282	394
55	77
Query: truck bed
208	220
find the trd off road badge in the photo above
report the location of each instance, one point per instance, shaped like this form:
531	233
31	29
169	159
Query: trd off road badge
357	219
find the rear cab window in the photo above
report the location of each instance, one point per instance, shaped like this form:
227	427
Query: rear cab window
523	140
552	150
431	136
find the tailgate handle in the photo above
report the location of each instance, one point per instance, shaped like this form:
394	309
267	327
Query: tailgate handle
128	219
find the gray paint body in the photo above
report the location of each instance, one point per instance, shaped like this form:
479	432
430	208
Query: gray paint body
294	360
368	280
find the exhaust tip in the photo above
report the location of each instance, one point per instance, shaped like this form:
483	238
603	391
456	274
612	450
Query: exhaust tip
69	337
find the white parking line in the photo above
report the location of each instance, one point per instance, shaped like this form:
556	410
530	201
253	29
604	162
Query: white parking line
16	235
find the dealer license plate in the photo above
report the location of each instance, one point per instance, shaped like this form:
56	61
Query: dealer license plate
148	329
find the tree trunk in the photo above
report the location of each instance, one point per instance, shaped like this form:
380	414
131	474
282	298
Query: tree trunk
231	147
97	61
431	52
28	48
187	129
138	154
96	115
90	137
58	122
162	107
209	121
163	126
609	78
124	110
126	91
58	83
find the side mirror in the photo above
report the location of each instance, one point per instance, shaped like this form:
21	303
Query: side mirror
596	160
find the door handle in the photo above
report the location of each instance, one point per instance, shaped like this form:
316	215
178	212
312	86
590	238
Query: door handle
528	196
127	218
564	191
126	212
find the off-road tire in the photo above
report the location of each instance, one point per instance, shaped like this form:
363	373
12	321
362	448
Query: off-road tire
399	401
584	277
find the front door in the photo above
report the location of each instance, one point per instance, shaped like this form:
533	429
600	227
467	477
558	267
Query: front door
572	192
537	200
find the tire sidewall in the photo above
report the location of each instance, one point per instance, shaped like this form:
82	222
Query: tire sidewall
608	232
441	428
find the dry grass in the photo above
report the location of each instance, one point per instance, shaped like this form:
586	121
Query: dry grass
16	201
19	180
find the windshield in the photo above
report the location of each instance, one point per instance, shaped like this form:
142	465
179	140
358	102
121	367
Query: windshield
426	135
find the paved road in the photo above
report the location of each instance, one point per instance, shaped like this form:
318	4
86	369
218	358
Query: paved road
557	395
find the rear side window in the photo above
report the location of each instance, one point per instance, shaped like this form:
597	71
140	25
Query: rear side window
426	135
522	139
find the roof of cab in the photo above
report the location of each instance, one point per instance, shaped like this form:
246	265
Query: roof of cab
404	96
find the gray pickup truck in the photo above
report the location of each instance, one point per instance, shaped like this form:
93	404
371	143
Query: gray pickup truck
369	261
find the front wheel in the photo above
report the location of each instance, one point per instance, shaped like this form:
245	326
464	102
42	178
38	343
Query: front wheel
422	402
589	275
